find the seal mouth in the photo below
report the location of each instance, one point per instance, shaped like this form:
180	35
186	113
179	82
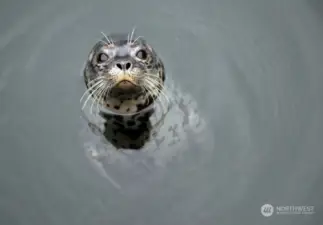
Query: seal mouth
126	84
125	88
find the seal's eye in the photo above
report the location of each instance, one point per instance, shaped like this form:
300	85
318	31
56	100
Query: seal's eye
142	54
102	57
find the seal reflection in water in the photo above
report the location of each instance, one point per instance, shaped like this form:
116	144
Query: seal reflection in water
124	77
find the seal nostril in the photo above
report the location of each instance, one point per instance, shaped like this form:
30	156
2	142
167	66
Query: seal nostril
128	65
119	66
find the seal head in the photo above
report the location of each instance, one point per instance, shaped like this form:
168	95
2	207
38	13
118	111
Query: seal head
124	74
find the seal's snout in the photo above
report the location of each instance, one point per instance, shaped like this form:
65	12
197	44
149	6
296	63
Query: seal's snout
125	82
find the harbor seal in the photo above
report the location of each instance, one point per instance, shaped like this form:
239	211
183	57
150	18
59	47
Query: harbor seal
139	118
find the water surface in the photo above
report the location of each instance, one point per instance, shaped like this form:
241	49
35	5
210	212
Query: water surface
254	67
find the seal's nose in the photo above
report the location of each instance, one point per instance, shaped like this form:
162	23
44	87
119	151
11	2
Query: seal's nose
124	65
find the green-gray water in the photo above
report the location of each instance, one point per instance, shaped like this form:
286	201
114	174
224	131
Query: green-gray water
255	67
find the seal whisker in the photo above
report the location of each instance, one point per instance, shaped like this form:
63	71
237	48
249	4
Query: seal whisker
137	39
94	80
99	97
106	37
154	79
90	89
152	88
151	74
156	82
91	95
147	88
132	33
95	98
104	42
103	94
107	79
149	91
158	89
107	91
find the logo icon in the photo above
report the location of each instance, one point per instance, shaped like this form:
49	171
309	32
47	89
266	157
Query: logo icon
267	210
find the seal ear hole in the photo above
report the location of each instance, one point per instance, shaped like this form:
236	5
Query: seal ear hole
142	54
102	57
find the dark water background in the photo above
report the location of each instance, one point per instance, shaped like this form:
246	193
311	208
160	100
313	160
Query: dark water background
254	66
